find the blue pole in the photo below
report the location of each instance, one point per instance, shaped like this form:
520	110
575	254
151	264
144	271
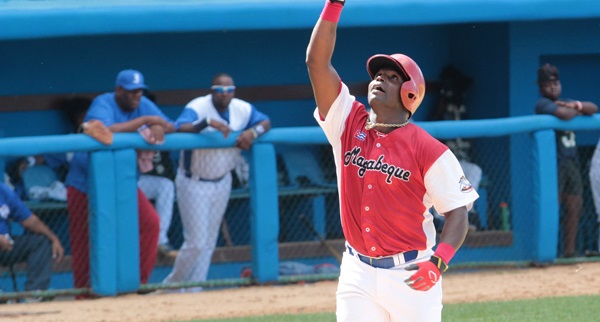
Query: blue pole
546	219
127	225
103	223
264	217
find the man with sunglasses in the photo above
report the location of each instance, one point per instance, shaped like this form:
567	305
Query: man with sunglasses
391	172
204	180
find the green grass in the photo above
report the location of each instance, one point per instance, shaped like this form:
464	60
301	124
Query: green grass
320	317
580	308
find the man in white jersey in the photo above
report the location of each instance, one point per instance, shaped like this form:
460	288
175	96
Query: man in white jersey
390	172
203	180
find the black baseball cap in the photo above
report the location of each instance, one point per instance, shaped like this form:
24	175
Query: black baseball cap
548	72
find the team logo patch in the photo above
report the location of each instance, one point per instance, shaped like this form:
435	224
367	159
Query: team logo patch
360	135
465	185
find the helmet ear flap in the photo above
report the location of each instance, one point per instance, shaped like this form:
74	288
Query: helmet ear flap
409	95
412	91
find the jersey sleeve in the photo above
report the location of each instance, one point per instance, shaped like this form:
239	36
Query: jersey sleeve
152	109
101	110
256	116
333	124
188	115
447	186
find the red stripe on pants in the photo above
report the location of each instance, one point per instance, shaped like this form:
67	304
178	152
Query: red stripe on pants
77	206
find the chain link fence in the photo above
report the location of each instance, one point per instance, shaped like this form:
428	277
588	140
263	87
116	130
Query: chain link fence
310	233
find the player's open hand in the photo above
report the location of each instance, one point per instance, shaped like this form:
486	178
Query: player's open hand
426	276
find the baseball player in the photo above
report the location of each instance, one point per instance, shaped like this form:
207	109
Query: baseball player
390	172
124	110
161	189
569	170
203	180
37	249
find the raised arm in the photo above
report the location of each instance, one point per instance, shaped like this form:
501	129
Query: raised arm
323	77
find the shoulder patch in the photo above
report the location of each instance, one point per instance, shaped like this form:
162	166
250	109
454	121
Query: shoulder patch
465	185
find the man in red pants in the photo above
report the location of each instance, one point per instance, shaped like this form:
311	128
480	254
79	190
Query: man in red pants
124	110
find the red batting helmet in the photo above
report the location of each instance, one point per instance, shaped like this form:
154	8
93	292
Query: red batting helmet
413	89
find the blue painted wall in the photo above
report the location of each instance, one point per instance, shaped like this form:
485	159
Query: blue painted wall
500	57
189	60
79	47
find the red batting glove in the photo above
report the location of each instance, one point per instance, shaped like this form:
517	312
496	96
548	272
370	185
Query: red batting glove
428	273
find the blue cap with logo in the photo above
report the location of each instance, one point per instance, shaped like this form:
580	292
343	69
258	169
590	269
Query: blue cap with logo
131	79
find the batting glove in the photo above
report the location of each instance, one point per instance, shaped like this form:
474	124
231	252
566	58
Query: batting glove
428	273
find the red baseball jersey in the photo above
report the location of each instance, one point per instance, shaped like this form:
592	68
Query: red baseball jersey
388	182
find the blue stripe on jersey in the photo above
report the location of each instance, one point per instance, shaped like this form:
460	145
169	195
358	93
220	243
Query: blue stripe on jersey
255	117
188	115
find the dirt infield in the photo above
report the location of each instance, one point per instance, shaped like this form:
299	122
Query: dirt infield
489	285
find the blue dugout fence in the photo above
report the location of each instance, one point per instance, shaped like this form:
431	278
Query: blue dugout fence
526	144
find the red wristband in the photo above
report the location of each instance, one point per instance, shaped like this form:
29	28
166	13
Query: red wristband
445	252
332	11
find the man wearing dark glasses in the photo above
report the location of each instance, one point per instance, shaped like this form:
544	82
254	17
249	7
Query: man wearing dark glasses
203	180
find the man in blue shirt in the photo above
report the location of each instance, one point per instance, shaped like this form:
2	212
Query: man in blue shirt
124	110
38	246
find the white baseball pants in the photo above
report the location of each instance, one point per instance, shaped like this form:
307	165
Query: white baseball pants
202	206
162	191
366	293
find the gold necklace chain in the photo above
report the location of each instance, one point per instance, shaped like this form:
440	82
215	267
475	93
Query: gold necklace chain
371	125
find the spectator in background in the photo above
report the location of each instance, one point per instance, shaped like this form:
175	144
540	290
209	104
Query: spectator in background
37	246
124	110
204	178
74	110
569	172
158	185
454	85
15	170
